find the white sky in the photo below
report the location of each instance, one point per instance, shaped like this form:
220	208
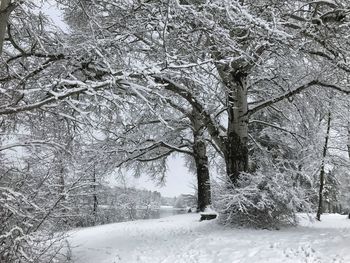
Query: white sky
178	180
52	11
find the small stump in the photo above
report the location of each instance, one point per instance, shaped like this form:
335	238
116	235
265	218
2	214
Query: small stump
208	217
349	216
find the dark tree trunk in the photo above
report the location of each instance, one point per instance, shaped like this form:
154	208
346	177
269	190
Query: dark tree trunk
348	143
62	189
95	200
5	9
62	181
236	157
201	161
322	172
203	179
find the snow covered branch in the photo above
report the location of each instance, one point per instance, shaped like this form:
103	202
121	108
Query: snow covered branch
295	92
31	144
82	88
186	94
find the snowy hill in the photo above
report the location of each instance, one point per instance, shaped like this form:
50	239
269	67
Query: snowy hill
184	239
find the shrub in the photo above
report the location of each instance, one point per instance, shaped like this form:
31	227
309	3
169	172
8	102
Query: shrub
259	201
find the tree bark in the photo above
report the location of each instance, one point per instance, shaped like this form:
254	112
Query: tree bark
236	152
95	200
201	161
322	172
62	189
5	10
348	144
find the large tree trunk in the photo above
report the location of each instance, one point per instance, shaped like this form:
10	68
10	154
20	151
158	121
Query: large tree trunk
201	161
5	10
322	172
236	153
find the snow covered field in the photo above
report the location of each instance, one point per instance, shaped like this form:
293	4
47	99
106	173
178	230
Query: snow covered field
183	238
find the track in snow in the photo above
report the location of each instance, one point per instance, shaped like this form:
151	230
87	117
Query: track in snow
184	239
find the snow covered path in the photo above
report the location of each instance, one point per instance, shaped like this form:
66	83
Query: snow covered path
183	239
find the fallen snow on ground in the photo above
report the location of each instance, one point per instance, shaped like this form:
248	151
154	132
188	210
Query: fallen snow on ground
184	239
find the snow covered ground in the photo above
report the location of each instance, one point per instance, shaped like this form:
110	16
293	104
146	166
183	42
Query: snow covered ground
183	238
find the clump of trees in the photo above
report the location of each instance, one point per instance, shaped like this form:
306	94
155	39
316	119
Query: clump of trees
255	91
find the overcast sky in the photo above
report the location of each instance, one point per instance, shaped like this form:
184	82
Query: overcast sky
178	180
54	13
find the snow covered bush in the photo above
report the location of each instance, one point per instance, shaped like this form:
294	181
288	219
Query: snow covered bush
14	243
259	200
18	241
30	213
